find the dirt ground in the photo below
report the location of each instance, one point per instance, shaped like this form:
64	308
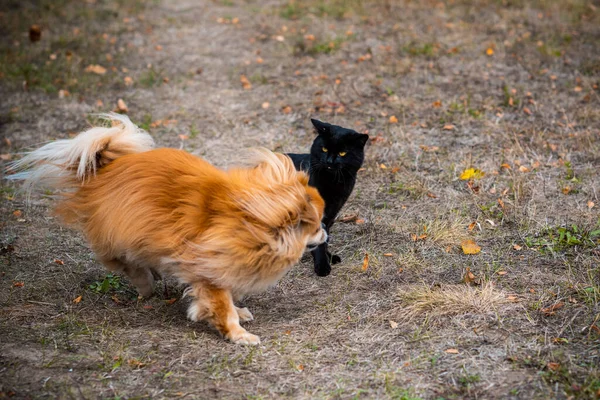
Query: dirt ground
506	87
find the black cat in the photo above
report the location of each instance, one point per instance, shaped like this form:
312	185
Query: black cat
335	157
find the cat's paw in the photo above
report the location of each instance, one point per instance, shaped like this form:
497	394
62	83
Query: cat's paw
335	259
322	268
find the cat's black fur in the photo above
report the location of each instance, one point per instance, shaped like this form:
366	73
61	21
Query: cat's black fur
333	175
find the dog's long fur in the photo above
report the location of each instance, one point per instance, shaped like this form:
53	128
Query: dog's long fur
223	233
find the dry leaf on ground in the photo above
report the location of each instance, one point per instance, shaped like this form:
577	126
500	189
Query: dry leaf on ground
365	264
470	247
552	309
96	69
77	299
245	82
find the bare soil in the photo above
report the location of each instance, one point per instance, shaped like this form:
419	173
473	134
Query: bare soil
506	87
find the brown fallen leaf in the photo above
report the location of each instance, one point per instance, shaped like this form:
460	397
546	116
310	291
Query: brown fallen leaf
393	119
171	301
300	367
59	262
527	111
472	226
393	324
590	204
5	157
552	309
469	278
148	307
505	166
265	105
470	247
348	218
512	298
96	69
17	213
35	33
501	203
451	351
449	127
365	264
245	82
501	273
128	81
388	254
437	104
359	221
122	107
553	366
517	247
115	299
77	299
18	284
286	110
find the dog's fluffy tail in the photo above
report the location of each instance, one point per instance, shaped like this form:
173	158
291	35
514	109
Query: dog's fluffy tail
68	162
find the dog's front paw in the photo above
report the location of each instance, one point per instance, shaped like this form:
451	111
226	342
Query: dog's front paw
322	267
244	337
244	314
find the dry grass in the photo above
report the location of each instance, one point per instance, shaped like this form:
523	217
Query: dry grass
450	300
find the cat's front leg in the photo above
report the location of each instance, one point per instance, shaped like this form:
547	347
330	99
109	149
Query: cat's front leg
321	259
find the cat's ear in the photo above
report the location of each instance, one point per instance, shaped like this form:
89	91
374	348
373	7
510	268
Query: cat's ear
362	139
322	128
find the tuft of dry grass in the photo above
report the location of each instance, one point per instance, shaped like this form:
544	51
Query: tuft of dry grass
449	300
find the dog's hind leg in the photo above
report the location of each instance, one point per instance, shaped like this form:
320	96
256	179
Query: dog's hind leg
140	277
216	306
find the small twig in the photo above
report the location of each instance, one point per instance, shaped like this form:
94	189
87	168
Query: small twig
42	303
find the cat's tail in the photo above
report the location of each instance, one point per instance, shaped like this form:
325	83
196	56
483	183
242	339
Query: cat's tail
69	162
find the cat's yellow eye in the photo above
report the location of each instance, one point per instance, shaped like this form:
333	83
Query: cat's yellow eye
342	153
324	149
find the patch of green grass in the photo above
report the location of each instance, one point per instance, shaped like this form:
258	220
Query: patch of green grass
509	99
327	47
258	78
397	392
193	131
425	49
564	239
110	282
338	9
151	77
145	122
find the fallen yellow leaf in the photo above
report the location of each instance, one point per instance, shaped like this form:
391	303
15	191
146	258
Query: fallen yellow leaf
470	247
471	173
393	119
77	300
489	51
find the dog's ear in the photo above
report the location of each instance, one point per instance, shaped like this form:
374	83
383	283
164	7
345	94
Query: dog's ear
362	139
322	128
